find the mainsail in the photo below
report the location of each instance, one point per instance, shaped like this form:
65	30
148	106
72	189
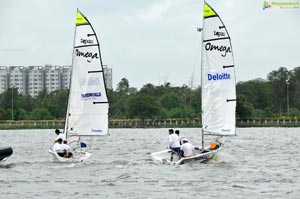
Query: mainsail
87	112
218	76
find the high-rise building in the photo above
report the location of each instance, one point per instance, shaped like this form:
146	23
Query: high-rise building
32	80
3	79
107	76
65	77
52	78
17	78
35	80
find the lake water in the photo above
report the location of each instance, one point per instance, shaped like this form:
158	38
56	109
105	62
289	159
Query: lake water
257	163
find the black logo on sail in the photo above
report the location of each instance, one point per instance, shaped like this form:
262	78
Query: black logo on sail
224	49
88	55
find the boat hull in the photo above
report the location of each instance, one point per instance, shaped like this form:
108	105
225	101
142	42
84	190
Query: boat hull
163	157
81	156
5	152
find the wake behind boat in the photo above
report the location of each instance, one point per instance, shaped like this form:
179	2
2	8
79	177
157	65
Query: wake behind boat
5	152
87	112
218	89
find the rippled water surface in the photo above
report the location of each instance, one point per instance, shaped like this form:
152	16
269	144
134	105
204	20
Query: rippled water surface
258	163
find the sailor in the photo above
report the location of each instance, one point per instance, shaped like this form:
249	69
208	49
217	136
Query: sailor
187	148
173	143
66	149
57	147
59	135
177	133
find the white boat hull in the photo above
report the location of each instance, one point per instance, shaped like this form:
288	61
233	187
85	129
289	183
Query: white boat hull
163	157
81	156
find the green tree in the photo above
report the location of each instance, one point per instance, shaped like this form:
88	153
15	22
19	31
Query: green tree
294	85
123	86
278	79
258	92
2	113
40	114
143	107
171	100
244	109
21	114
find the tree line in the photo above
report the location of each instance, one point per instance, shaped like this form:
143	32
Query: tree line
277	96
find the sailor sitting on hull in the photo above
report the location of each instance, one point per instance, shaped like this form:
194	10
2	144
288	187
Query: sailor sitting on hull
67	149
187	149
57	147
62	149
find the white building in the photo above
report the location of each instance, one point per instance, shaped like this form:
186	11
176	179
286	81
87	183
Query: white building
32	80
108	76
17	78
3	79
35	81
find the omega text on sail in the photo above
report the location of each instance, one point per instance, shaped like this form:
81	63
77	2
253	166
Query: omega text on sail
210	47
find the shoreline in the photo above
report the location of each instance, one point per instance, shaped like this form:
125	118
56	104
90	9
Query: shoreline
136	123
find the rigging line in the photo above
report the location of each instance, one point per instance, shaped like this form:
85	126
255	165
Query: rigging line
216	39
197	58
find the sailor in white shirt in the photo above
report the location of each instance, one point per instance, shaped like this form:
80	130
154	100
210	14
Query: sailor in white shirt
57	148
66	149
173	143
60	135
187	148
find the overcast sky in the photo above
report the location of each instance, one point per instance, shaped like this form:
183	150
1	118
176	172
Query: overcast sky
150	41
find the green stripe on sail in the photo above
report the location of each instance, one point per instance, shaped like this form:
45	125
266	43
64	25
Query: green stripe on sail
80	19
208	11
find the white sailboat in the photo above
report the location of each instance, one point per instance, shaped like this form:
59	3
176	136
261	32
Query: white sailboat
87	112
218	89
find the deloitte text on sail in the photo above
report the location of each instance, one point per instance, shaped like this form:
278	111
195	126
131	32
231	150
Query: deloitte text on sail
218	76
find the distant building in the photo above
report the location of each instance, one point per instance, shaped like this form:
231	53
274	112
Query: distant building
32	80
3	79
17	78
108	76
35	80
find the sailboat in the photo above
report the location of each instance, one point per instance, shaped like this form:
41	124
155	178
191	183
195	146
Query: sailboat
87	111
5	152
218	89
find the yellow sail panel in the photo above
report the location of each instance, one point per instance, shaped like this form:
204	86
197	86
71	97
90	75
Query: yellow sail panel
80	19
208	11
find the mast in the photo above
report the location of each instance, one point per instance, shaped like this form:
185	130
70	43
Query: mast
70	84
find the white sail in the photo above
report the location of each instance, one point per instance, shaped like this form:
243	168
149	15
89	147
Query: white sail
218	76
87	112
